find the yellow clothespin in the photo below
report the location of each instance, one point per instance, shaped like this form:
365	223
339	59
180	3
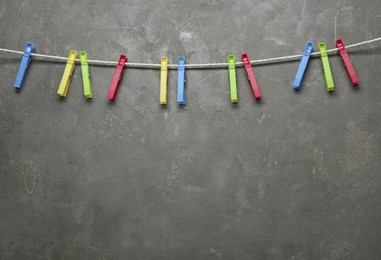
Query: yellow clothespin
163	80
65	81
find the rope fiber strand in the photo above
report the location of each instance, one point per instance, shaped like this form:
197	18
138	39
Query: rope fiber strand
191	66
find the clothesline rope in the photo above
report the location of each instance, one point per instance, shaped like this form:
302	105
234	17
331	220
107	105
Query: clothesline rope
191	66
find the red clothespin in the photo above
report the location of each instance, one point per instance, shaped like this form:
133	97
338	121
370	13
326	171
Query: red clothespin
251	76
347	62
116	79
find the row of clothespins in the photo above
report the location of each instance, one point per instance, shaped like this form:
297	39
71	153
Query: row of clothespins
113	90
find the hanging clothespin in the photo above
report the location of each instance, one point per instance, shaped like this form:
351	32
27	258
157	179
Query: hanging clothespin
326	67
181	81
87	91
251	77
163	80
25	60
65	81
303	66
233	80
118	74
347	62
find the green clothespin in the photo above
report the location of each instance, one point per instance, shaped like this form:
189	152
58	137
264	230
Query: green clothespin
85	75
233	80
326	67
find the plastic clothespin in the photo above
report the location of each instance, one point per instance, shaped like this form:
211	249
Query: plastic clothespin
163	80
25	60
347	62
233	80
65	81
303	66
118	74
181	81
87	91
251	77
326	67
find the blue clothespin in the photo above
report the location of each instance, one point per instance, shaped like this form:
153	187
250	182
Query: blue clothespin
24	65
302	66
181	81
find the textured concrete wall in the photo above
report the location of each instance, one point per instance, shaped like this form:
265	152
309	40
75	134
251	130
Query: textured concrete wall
296	176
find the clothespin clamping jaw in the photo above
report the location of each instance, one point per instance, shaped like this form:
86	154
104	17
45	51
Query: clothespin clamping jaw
251	77
232	79
181	81
118	74
65	81
25	60
326	67
87	91
347	62
163	80
303	66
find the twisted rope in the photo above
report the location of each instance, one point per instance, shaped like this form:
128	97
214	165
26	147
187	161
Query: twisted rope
191	66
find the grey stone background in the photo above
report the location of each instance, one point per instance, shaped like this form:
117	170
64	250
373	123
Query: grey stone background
296	176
